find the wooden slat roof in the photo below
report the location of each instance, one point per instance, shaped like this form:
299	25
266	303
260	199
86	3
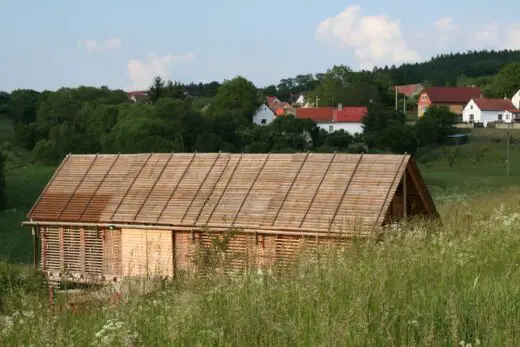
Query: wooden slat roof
307	191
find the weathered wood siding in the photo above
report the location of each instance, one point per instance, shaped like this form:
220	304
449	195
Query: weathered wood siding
80	252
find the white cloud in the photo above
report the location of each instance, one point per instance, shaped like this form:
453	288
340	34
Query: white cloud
445	29
487	35
142	71
494	36
374	39
114	43
513	37
92	46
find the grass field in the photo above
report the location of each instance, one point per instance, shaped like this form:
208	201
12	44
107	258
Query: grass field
455	284
24	182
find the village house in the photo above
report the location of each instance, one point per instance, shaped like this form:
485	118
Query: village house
264	115
516	99
138	96
268	111
331	119
409	90
106	217
456	98
298	99
484	111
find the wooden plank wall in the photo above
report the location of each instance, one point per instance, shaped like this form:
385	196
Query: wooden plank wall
147	253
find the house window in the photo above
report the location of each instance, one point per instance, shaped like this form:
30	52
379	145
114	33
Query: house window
470	107
500	117
507	116
263	121
471	117
331	128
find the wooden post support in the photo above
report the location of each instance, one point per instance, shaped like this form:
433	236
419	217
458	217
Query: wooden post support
405	194
35	247
82	249
62	248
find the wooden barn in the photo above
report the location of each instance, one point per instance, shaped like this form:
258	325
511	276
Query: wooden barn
105	217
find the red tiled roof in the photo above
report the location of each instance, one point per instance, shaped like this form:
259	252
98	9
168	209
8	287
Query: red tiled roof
137	93
350	114
409	89
277	105
317	114
456	95
495	104
271	99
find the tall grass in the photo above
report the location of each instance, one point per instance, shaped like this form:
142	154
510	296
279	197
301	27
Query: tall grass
427	284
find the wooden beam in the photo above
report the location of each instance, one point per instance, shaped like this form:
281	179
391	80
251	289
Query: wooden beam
376	221
48	184
317	189
290	188
100	184
62	247
225	187
176	186
405	195
43	248
131	185
200	186
35	247
346	189
77	187
153	186
82	249
210	228
250	188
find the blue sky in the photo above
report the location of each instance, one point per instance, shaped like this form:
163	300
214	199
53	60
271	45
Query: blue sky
123	44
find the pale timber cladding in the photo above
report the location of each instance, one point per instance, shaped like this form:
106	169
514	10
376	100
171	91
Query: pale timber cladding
142	214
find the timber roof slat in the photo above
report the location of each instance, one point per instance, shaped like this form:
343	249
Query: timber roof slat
320	192
176	186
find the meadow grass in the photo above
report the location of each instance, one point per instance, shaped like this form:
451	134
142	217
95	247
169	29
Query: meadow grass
24	185
455	283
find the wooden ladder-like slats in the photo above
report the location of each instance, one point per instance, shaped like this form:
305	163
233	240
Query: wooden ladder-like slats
290	188
76	189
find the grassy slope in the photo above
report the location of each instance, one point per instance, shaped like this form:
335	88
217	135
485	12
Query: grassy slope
430	285
24	183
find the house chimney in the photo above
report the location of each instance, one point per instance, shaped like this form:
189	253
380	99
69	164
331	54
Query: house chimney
340	106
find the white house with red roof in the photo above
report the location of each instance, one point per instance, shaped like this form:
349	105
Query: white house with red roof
331	119
264	115
485	111
138	96
268	111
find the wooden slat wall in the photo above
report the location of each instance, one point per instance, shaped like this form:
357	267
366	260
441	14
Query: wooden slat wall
74	254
